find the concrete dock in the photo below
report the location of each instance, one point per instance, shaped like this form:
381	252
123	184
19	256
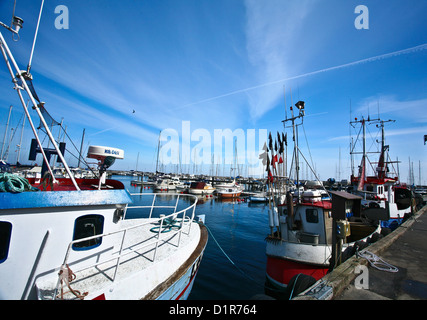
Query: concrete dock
405	248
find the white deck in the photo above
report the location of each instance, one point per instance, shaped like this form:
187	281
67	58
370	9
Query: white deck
141	266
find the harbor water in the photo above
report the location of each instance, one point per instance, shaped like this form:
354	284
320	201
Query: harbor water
234	262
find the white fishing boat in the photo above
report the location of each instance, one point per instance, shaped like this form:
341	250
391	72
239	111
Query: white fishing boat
164	185
225	185
169	183
182	186
300	241
74	238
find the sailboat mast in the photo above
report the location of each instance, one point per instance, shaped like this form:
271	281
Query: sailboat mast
5	132
137	159
81	148
20	140
158	150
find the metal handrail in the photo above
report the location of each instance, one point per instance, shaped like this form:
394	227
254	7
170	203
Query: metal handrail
185	220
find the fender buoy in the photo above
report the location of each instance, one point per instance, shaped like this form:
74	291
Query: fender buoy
298	284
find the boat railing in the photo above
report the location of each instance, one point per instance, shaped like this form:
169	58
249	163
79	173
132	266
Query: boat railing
184	219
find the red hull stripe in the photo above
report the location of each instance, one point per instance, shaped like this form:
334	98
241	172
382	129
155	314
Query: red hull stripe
183	291
282	270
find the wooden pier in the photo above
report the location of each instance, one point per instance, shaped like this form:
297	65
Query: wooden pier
405	249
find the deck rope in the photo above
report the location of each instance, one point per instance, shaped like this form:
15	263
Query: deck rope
13	183
66	275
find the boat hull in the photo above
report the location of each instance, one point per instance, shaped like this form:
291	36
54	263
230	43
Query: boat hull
281	271
200	191
258	199
229	195
179	285
287	259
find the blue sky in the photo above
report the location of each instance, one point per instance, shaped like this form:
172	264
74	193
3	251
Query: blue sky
226	64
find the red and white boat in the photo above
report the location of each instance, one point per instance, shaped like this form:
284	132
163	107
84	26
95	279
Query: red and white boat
300	241
229	192
383	189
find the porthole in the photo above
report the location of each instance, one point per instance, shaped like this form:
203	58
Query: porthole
5	234
88	226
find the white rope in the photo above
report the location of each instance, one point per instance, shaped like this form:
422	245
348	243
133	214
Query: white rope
377	262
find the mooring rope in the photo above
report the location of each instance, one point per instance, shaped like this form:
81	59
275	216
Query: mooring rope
377	262
229	259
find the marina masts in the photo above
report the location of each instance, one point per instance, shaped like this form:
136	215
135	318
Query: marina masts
5	133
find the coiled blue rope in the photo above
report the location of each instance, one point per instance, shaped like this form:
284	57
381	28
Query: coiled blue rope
10	182
167	225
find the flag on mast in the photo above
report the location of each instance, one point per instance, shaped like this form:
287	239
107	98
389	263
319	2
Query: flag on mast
362	175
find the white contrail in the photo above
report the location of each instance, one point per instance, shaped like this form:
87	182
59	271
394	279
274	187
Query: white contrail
371	59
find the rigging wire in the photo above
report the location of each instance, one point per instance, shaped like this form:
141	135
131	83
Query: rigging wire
35	37
308	147
71	151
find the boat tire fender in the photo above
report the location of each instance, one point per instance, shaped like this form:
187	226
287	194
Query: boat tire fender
299	283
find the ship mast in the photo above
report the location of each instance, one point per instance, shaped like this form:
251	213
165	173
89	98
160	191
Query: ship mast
381	167
300	105
20	83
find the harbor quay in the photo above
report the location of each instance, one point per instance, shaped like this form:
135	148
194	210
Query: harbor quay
398	273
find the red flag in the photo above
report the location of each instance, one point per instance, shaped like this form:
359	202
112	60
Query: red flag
361	175
280	160
270	176
273	161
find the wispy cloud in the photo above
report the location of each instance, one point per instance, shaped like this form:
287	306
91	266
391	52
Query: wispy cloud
364	107
391	106
270	33
393	132
86	115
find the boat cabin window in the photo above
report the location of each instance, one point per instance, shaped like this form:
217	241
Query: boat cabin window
88	226
311	216
5	234
284	211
